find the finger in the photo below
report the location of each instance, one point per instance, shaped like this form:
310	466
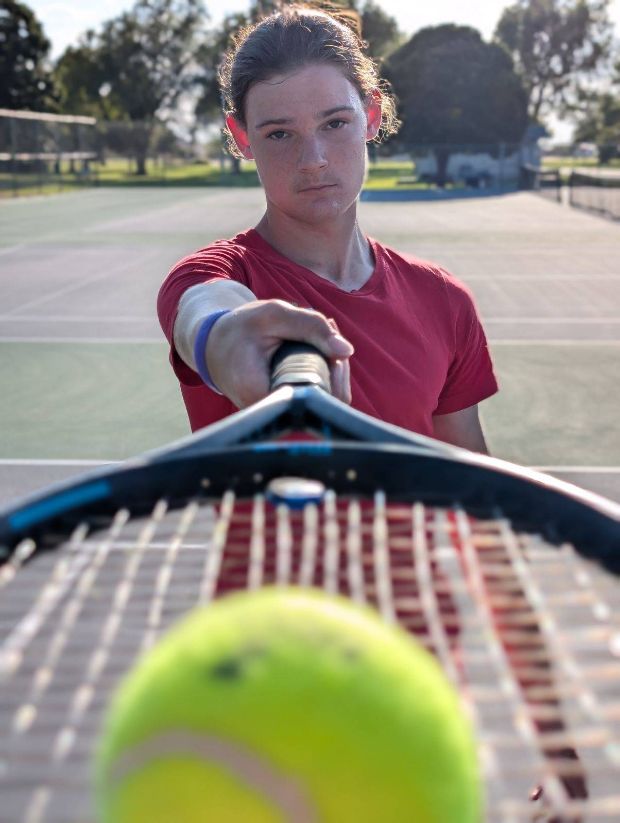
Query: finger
346	381
340	380
291	323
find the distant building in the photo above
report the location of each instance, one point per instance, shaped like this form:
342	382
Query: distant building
484	166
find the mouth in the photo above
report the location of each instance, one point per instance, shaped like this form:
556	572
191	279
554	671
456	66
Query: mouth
322	187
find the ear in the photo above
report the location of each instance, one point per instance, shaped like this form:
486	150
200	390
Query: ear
373	114
240	136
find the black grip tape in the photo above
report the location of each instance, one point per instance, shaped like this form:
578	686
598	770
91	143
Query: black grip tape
299	364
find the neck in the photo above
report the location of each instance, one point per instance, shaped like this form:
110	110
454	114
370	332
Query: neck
337	251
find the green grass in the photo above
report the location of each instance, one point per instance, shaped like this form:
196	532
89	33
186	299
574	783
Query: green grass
385	174
552	162
118	172
566	165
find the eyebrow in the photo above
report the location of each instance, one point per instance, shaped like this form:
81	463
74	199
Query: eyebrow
282	121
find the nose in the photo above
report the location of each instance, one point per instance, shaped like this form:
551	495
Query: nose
311	155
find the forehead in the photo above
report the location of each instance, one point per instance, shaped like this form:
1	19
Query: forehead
304	92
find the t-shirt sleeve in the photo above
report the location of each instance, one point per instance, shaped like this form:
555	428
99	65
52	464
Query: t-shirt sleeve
215	262
470	377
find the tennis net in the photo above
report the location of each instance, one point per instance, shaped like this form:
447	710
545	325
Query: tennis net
596	191
547	182
39	149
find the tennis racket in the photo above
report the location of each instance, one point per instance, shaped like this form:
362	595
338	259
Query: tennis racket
508	576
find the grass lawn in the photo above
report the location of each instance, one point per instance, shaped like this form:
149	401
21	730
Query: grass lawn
554	162
384	174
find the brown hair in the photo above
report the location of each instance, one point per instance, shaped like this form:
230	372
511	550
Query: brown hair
290	39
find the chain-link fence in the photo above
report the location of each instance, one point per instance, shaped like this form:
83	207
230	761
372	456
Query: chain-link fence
44	152
38	149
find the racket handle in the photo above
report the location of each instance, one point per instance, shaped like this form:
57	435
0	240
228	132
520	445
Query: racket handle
299	364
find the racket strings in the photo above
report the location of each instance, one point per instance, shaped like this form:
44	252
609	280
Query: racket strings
460	585
367	568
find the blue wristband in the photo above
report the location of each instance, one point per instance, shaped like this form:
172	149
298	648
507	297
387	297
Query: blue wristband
200	348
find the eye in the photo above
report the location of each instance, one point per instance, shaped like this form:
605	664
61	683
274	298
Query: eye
336	124
277	135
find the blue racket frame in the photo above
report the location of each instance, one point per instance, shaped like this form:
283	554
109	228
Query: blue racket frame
353	454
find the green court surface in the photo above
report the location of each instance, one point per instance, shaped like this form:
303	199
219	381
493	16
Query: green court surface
84	373
551	407
108	402
98	402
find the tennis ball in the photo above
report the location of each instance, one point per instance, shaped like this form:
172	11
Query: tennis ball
287	705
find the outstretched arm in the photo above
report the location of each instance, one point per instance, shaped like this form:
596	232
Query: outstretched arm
241	343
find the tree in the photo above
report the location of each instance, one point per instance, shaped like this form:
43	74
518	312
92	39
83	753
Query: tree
380	31
555	45
136	68
80	81
599	119
208	57
452	87
26	82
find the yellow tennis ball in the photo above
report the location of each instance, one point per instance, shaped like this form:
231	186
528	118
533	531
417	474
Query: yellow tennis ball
287	705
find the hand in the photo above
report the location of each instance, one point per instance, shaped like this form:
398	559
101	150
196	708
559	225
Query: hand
242	343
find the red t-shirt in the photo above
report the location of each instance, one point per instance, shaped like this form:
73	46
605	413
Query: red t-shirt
420	349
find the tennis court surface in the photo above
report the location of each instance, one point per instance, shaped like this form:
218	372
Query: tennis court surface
83	365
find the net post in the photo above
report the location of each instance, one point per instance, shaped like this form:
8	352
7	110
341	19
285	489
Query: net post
13	138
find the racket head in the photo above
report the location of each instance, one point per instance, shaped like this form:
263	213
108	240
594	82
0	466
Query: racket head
525	628
348	451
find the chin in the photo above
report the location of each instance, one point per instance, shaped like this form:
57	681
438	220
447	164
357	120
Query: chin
329	209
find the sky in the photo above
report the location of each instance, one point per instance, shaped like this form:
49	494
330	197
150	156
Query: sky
65	20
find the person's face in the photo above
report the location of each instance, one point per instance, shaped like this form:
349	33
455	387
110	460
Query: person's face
307	132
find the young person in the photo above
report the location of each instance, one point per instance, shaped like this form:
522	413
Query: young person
402	336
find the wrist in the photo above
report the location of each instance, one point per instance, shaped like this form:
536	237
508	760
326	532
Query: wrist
200	347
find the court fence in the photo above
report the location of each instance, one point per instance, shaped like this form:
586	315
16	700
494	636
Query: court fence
37	147
46	152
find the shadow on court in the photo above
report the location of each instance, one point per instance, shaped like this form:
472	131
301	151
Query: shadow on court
83	365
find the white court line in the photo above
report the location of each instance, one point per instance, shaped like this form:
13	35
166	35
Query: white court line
495	341
153	341
95	341
547	277
11	249
8	461
60	318
584	469
83	340
75	286
549	320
